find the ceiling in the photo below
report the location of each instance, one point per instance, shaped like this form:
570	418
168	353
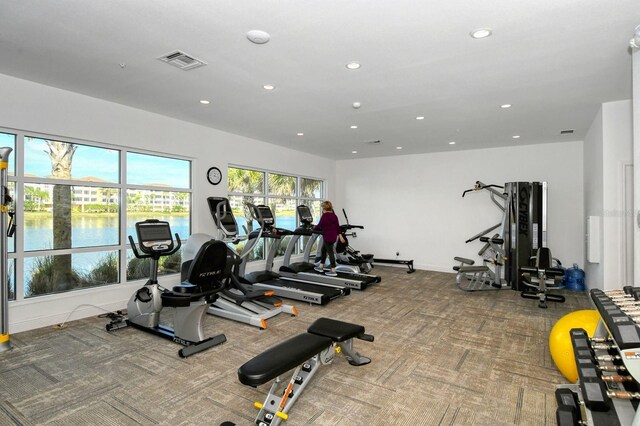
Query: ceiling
555	61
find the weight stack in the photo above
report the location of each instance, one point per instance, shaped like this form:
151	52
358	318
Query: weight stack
526	230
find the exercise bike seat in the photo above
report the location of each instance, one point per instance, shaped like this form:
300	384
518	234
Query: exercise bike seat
184	288
281	358
184	294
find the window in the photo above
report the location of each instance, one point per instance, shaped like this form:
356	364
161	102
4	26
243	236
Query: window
282	192
79	201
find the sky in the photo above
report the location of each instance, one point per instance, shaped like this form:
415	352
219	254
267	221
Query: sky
104	164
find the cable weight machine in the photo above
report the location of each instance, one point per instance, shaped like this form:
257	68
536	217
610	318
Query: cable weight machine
509	244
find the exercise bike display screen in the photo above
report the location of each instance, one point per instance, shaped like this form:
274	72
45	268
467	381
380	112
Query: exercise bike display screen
153	235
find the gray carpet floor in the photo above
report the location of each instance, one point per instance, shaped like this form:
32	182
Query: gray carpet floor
440	357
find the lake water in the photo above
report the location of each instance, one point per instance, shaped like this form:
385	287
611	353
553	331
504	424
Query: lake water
95	231
90	231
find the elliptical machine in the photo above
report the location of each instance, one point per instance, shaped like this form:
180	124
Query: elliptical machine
191	299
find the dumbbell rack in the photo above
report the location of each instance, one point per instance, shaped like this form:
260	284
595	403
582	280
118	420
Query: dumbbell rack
608	364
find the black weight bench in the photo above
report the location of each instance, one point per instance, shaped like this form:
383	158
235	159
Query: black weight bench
303	353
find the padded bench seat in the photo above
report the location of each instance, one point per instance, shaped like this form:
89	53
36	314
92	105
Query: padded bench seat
338	331
281	358
473	269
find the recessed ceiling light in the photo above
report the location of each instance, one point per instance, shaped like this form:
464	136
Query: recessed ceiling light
420	118
481	33
354	127
353	65
268	87
398	147
300	134
452	143
516	136
354	152
505	106
205	102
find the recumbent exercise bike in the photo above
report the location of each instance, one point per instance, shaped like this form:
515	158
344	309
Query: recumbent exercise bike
191	299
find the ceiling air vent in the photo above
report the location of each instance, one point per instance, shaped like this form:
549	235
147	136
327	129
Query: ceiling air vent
566	132
374	143
182	60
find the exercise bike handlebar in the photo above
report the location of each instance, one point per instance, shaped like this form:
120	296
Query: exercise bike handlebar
137	254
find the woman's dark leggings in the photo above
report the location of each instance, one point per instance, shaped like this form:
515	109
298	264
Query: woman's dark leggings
327	248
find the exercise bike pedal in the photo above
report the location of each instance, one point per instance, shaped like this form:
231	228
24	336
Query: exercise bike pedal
117	324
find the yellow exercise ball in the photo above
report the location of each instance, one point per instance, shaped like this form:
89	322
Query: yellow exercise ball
560	341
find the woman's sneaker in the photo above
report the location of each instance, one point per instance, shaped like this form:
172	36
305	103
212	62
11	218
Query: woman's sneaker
331	274
319	269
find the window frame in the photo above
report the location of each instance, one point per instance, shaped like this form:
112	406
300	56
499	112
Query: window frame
266	196
19	179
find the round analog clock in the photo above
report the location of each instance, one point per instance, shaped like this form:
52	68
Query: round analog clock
214	175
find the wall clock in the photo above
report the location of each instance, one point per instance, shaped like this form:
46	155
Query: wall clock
214	175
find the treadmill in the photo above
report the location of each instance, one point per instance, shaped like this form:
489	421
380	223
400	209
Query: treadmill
305	269
267	280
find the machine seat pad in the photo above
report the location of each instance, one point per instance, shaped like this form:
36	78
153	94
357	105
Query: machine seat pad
281	358
185	288
473	269
367	257
338	331
464	260
183	295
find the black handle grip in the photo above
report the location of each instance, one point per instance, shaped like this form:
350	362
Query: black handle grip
366	337
136	253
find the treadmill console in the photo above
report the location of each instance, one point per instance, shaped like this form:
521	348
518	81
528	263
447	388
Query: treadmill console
304	213
154	236
264	216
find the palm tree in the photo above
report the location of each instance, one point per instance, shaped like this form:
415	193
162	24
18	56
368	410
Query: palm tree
34	195
282	184
61	156
310	187
133	201
246	182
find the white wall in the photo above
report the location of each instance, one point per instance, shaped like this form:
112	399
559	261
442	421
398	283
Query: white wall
617	151
34	107
412	204
608	147
593	194
636	154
